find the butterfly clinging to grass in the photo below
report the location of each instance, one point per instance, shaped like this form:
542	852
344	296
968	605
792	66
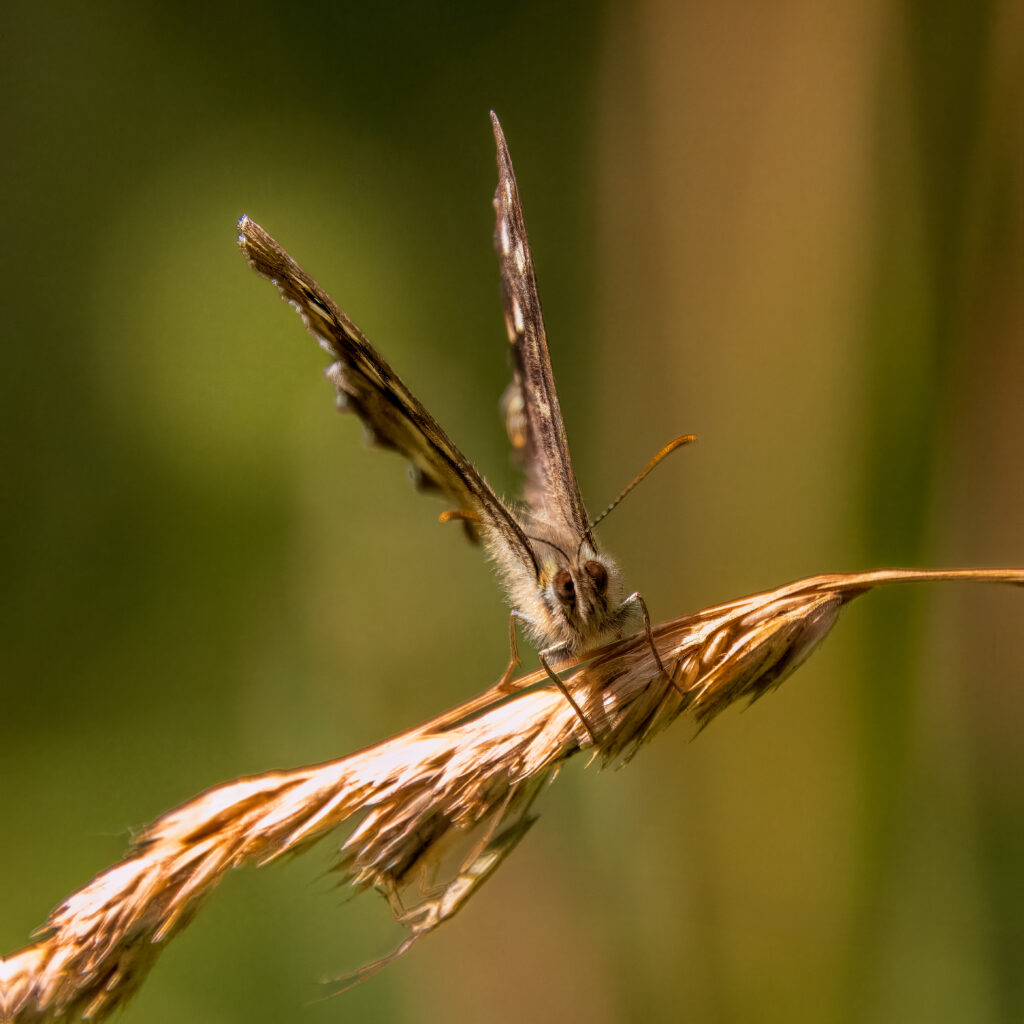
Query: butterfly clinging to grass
560	583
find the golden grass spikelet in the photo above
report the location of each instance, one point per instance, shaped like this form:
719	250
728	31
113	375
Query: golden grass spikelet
478	766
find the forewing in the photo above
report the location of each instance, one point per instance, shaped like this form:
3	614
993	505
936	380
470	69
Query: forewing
532	413
369	387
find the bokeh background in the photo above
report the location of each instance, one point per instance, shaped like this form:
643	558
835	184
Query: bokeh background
795	229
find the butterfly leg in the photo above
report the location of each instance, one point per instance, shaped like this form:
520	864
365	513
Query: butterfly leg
635	598
558	650
514	660
553	676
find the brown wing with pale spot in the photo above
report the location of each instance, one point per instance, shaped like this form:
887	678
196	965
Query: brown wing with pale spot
532	413
370	388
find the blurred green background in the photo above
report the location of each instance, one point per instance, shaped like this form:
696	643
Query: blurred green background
796	229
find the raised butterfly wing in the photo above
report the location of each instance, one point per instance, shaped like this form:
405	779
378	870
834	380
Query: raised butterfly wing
394	416
532	413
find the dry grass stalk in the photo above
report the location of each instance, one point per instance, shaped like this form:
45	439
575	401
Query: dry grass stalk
477	766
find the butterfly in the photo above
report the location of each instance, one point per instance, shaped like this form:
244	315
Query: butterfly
560	583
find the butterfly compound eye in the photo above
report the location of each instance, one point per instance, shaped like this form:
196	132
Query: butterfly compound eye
565	589
599	574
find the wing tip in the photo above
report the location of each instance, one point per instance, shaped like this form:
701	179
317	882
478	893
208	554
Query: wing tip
251	236
505	171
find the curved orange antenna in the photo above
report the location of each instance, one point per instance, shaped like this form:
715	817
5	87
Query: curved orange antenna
666	451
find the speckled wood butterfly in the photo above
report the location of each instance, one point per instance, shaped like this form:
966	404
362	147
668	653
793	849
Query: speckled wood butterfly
560	583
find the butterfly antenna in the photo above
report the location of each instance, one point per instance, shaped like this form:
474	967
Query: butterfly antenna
541	540
666	451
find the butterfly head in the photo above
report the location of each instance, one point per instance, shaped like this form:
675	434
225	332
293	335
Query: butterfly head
577	601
